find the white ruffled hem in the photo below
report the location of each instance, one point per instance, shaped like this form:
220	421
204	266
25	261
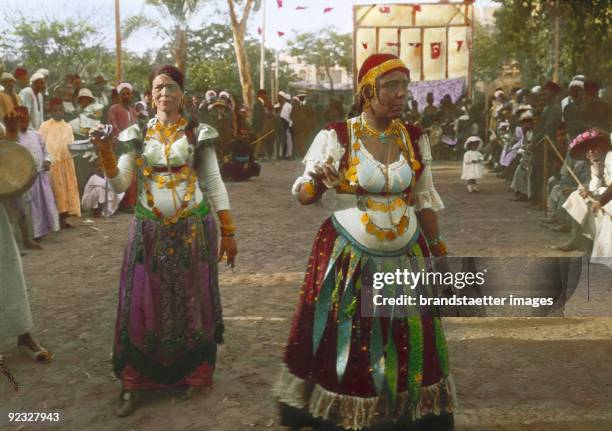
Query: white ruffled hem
428	200
356	413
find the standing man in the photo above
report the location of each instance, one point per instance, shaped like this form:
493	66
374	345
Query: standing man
21	75
430	112
573	111
258	122
58	136
43	210
286	150
16	317
32	98
8	97
121	116
547	125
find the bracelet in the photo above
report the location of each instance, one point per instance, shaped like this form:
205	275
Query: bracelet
437	240
439	249
227	234
311	188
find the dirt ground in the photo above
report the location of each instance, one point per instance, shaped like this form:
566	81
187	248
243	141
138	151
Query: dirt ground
512	374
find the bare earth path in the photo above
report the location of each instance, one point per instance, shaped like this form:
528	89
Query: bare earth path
512	374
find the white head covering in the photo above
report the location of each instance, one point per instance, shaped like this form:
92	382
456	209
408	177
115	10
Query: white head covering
576	83
224	94
85	92
43	72
527	115
210	95
36	76
536	89
579	78
473	139
499	93
7	77
123	86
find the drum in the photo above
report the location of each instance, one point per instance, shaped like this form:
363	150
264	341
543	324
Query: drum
17	169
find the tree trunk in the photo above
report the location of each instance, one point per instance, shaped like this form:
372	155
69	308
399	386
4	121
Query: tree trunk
179	50
238	30
244	69
331	81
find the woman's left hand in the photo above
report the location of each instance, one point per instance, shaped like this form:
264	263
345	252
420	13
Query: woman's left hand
228	247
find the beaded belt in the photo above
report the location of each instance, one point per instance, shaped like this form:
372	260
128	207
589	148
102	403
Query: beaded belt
201	210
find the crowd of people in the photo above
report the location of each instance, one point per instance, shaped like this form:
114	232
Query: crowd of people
165	158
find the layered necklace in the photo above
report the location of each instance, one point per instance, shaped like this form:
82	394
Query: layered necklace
167	135
396	133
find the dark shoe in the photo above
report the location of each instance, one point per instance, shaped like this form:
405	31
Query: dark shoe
567	246
128	404
561	228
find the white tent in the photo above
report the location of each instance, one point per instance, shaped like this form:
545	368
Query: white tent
434	40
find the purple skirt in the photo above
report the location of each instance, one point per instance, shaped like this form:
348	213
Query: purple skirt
169	317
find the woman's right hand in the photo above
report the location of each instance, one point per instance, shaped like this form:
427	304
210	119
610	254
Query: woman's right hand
326	174
101	137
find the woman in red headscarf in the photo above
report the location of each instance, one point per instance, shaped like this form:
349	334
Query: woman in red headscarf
349	364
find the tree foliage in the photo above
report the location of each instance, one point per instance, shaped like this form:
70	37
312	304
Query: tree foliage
213	62
524	32
324	50
61	46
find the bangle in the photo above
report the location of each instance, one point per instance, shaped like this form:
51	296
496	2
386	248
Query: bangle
227	234
439	249
435	241
311	188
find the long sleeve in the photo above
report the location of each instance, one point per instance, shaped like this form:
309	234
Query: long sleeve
127	169
210	176
426	195
286	113
324	146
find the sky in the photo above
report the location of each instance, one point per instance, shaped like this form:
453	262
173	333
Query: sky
287	19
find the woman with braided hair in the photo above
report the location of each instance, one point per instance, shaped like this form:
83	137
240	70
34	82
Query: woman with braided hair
344	367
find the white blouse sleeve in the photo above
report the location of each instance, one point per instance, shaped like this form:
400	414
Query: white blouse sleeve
210	176
426	196
127	169
324	147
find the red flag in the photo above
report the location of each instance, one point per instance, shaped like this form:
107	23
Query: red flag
328	9
436	49
459	44
416	8
259	31
301	8
384	9
279	3
365	45
280	33
392	44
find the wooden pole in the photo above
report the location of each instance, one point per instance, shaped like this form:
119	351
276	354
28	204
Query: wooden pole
555	74
545	182
117	43
262	66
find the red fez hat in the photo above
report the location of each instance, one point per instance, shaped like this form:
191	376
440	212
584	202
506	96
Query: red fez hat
592	138
377	65
55	101
591	86
21	72
552	87
21	109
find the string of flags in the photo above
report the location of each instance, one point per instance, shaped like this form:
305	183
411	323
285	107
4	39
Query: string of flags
280	5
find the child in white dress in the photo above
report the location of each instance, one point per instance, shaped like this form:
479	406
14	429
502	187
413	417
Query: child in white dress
472	163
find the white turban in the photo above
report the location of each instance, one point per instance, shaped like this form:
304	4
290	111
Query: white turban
576	83
35	77
123	86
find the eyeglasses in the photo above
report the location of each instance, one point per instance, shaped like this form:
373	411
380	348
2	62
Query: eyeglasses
396	85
